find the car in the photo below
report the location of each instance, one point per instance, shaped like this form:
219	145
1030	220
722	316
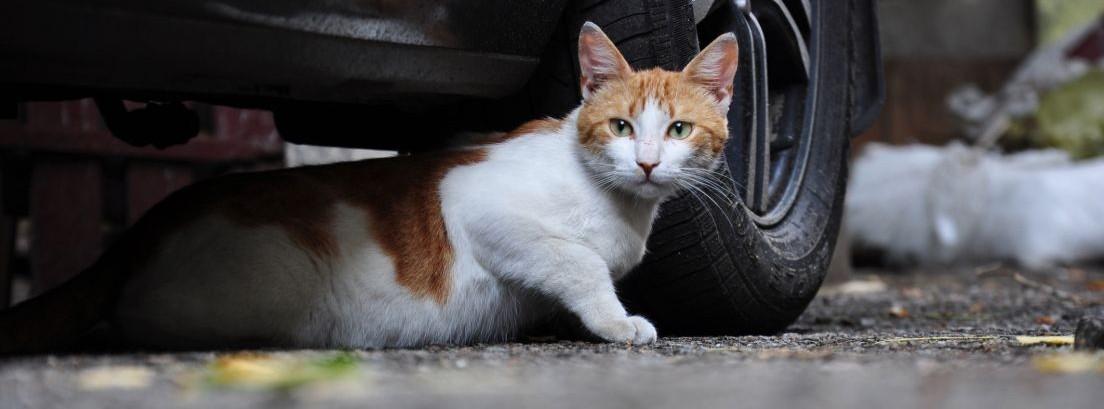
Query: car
745	253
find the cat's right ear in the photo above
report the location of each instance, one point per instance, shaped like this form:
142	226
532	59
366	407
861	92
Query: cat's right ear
599	60
715	69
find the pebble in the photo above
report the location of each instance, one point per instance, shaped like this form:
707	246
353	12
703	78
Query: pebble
1089	334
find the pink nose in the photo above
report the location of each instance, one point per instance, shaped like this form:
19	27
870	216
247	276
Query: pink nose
647	168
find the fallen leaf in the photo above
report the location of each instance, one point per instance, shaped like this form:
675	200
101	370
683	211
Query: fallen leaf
262	371
857	287
976	308
912	293
785	353
938	315
963	338
115	377
1095	285
898	311
1068	363
1075	274
1050	340
1044	320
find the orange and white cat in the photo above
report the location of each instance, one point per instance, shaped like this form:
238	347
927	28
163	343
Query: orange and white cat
458	246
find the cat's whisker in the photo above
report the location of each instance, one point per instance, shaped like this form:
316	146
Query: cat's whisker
695	191
713	200
716	175
690	192
712	186
705	180
691	189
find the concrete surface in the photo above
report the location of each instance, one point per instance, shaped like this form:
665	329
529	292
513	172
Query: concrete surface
847	351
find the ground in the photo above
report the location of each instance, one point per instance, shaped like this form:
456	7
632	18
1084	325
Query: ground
919	339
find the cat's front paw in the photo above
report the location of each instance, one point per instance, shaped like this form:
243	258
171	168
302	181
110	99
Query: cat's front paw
635	330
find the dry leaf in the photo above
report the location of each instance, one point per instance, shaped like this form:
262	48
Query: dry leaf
251	370
1067	363
1095	285
857	287
898	311
1075	274
786	353
115	377
1044	320
912	293
962	338
1050	340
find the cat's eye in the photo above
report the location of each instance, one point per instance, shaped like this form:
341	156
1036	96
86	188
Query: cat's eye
680	130
621	127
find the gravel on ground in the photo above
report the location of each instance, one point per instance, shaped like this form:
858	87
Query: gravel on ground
902	339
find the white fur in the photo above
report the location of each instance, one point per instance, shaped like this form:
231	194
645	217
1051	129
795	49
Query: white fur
940	205
530	229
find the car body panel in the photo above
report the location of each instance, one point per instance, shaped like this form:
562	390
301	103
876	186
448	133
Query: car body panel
250	52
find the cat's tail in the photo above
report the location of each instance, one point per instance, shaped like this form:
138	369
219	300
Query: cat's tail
60	317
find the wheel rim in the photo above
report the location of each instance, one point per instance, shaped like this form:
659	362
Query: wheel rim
772	116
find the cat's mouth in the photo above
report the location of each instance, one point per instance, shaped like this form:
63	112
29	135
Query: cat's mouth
650	184
654	180
651	188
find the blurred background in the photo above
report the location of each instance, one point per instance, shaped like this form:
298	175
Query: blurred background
986	148
933	48
996	77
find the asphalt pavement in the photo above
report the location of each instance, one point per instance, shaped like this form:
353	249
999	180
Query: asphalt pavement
917	339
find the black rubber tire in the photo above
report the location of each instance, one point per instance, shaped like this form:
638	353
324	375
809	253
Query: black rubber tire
710	271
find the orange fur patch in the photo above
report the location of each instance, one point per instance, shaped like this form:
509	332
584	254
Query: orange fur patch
528	128
683	99
404	201
545	125
400	196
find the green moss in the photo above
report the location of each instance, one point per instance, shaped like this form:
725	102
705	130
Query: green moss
1071	117
1058	16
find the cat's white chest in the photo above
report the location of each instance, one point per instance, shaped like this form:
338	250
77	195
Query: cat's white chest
538	183
619	241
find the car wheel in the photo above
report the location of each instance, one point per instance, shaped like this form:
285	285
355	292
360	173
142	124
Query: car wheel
746	252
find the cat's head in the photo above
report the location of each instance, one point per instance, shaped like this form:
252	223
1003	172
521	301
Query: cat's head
648	133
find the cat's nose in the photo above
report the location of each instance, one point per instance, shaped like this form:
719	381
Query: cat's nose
647	168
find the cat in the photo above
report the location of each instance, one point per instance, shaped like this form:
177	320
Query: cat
458	246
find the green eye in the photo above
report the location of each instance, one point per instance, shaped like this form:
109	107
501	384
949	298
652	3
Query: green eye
621	127
680	130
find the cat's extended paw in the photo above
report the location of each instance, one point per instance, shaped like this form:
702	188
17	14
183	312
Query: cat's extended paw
635	330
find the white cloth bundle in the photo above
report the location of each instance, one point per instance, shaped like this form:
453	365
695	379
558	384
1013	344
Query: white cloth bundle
954	204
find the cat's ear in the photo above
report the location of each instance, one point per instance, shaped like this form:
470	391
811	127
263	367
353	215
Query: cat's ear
599	60
715	67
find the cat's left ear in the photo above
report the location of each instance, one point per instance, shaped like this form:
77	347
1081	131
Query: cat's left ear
599	60
715	67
